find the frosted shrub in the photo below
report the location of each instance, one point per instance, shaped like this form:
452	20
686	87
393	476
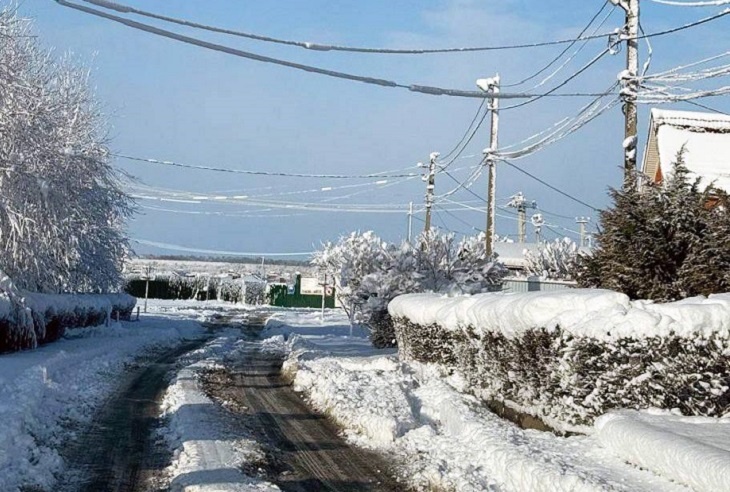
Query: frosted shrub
370	272
568	381
554	260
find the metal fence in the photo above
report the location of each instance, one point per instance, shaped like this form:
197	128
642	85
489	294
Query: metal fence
535	284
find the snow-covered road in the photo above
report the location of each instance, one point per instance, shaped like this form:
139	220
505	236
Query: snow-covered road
225	419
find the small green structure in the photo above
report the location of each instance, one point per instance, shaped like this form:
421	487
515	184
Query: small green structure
281	295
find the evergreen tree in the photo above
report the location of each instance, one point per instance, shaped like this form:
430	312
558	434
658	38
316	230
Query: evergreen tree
663	242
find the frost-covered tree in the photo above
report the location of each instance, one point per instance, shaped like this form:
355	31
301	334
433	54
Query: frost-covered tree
62	210
664	242
554	260
457	268
370	272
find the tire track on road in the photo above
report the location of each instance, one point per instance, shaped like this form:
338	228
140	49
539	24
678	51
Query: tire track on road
309	454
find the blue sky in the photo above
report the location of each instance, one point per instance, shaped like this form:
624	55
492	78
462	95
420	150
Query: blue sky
171	101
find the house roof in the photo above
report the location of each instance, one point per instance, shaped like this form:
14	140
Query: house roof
706	138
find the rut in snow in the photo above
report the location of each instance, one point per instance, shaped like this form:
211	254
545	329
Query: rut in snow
306	449
119	451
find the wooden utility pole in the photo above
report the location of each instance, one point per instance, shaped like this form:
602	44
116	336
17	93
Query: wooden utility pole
430	179
630	81
491	86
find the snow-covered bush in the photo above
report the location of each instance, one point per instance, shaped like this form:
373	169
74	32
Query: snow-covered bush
254	293
37	318
569	357
62	210
370	272
553	260
662	242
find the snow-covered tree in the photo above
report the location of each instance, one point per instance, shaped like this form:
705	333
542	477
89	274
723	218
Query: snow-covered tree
62	210
553	260
456	268
664	242
370	272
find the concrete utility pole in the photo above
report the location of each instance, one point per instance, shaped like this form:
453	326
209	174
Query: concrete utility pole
519	202
582	221
538	221
630	83
491	86
410	221
430	179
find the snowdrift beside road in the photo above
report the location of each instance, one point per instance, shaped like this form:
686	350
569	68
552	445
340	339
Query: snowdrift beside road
694	451
441	439
48	395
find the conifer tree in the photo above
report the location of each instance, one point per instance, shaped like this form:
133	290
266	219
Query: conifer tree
663	242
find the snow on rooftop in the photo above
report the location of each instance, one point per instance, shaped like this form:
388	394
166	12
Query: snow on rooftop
706	139
692	119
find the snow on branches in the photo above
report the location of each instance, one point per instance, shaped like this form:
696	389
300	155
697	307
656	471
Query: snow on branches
61	207
553	260
370	272
662	242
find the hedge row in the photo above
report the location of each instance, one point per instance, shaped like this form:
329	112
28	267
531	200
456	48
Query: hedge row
44	318
568	381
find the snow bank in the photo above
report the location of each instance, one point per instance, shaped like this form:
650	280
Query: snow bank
442	439
381	414
46	395
694	451
209	450
596	313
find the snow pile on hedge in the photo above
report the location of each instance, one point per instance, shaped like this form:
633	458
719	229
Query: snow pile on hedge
694	451
51	314
567	357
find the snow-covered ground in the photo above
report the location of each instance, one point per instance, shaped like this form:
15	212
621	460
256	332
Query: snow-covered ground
691	450
209	450
443	438
48	394
439	437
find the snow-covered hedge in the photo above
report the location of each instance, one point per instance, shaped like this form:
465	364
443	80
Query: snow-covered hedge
201	287
44	318
568	357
